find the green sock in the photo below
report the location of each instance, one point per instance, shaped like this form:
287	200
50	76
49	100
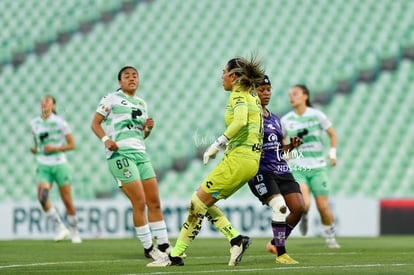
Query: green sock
179	249
217	218
191	226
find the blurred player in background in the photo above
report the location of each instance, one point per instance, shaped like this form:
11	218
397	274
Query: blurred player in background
274	184
52	137
310	168
243	140
127	125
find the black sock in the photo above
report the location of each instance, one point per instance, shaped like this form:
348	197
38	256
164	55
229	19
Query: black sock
281	250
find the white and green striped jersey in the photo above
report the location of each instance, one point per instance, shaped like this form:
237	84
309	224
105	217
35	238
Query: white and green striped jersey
124	121
51	131
310	127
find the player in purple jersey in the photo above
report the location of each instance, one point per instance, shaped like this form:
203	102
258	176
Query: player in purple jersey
274	184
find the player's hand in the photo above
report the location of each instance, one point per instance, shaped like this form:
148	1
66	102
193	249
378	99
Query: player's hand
111	145
296	142
149	123
211	152
214	148
49	149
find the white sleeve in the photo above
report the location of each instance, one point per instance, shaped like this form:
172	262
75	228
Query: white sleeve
325	122
105	106
65	128
282	122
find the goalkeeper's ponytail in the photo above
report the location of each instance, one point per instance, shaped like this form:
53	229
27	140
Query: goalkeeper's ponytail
249	73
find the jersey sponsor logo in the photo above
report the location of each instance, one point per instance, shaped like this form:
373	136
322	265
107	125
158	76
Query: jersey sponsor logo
261	189
296	125
43	136
239	100
270	126
303	133
136	113
257	147
272	137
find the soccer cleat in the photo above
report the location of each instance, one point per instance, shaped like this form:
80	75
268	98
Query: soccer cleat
167	261
332	243
271	248
154	253
303	225
167	248
285	259
76	238
61	235
237	251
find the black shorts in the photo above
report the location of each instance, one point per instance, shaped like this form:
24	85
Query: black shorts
266	184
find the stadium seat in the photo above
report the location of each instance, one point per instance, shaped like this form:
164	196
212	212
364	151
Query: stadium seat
180	57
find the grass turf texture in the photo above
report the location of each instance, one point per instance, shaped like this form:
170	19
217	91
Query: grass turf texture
382	255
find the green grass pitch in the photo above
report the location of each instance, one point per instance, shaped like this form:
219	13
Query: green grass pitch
382	255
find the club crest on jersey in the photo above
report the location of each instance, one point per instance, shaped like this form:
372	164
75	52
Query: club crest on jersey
105	108
272	137
127	173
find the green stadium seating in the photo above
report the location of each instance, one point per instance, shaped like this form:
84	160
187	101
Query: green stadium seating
180	57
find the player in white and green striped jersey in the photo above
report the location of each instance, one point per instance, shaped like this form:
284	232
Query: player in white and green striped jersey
308	163
127	124
52	138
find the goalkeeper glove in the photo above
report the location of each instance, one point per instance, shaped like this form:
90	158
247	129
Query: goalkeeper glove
214	148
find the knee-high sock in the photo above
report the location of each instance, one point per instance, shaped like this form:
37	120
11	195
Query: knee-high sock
329	231
159	231
73	222
217	218
55	218
144	235
279	223
191	226
279	234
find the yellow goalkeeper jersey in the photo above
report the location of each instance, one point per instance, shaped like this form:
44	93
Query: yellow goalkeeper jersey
244	124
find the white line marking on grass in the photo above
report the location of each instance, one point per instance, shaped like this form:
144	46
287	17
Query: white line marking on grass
263	269
125	260
183	271
63	263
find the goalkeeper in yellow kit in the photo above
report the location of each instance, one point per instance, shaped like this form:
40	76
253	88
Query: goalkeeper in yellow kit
243	140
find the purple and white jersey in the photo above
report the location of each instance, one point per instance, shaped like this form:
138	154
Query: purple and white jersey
273	158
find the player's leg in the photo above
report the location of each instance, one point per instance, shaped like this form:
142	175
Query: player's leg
134	190
220	221
225	179
301	176
63	180
292	194
327	220
44	178
125	170
320	189
290	191
265	188
232	175
155	217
